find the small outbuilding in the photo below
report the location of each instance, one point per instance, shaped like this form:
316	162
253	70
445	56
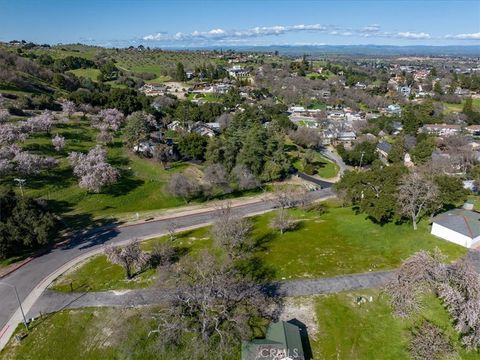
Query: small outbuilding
460	226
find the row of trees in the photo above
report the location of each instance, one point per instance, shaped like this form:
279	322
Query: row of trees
389	193
457	285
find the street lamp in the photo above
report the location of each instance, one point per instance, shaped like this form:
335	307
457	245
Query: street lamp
19	302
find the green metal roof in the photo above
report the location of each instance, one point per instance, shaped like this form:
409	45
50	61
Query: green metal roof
280	337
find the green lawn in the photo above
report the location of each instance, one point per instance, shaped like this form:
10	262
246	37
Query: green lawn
90	73
141	186
323	167
336	243
89	333
154	69
369	330
341	242
98	274
449	107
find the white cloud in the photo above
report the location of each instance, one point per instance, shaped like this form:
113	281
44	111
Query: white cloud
471	36
224	36
155	37
374	28
412	35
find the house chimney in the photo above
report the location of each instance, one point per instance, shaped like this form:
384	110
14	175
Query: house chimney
468	205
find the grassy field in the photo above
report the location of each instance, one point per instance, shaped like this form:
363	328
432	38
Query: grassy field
97	274
369	330
344	330
141	186
102	333
448	107
341	242
336	243
91	74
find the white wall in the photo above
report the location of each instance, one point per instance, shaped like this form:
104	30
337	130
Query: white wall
452	236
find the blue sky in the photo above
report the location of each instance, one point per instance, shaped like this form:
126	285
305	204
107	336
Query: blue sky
180	23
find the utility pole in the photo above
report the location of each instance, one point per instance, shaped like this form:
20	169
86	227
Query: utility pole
19	302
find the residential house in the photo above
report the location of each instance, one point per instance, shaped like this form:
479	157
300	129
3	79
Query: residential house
296	109
405	90
205	130
460	226
238	72
346	136
397	127
394	109
282	341
442	129
384	149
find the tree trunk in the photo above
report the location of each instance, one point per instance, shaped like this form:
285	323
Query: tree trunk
414	220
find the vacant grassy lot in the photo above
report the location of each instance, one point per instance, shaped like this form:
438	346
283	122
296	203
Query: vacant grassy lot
91	74
342	242
369	330
98	274
336	243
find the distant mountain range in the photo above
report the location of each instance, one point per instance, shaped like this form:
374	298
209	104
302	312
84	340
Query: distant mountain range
392	50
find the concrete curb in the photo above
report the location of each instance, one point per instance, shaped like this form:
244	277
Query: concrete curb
15	266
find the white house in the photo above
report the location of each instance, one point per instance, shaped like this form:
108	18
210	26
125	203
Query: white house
460	226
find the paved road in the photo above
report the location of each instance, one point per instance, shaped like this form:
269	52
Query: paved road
335	158
52	301
29	277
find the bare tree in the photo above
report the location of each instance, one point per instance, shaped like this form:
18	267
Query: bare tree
418	274
231	232
183	186
283	221
162	153
286	196
216	175
245	179
306	137
213	304
461	297
415	194
130	257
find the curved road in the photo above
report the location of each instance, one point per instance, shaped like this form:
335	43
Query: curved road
29	278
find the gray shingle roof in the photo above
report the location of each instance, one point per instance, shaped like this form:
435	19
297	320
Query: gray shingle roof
466	222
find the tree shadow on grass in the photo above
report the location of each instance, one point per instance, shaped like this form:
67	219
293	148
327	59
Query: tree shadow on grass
124	185
82	229
61	177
